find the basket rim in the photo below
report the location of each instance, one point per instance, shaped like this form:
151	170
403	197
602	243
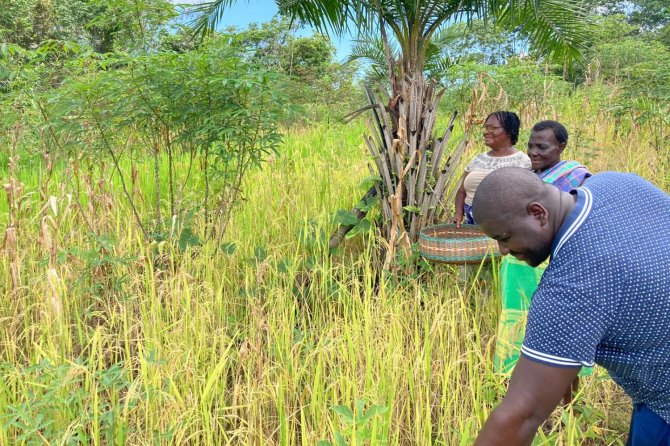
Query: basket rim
475	228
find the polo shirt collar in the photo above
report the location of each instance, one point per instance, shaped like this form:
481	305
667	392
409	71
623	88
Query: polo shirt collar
574	221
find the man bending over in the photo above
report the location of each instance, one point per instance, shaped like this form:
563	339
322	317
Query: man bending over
604	298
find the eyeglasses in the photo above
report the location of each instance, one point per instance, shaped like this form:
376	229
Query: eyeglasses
491	129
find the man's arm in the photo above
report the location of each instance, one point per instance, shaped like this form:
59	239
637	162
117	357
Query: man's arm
534	391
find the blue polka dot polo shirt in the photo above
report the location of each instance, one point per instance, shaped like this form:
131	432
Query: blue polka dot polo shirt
605	296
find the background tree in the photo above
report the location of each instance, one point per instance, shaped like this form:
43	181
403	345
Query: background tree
105	25
650	17
27	23
317	80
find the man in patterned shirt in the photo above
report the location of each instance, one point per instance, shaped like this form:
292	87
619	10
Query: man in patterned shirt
604	298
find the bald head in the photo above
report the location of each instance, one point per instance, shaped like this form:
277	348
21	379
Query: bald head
524	214
506	193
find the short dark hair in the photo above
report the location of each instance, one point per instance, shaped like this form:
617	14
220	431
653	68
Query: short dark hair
510	122
560	132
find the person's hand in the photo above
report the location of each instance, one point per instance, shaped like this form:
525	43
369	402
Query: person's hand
535	389
458	218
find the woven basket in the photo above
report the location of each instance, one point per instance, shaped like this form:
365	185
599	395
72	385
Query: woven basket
448	244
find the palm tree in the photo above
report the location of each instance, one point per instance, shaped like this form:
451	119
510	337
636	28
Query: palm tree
407	156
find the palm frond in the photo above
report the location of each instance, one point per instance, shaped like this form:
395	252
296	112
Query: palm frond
437	67
439	58
557	28
371	49
207	15
447	35
326	16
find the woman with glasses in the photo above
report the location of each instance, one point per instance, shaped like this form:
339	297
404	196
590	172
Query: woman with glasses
501	132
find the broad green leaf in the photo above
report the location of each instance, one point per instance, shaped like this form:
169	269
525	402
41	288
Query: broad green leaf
344	412
345	218
367	204
260	253
370	181
412	209
229	248
364	226
340	440
187	238
353	232
372	412
284	265
363	435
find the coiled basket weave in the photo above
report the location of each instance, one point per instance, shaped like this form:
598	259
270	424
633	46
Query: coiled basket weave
448	244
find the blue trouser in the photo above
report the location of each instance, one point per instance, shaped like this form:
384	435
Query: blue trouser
467	212
647	428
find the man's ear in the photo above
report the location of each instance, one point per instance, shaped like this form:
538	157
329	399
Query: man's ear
561	146
538	212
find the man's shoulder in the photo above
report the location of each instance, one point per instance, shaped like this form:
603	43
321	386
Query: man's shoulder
626	197
617	216
616	181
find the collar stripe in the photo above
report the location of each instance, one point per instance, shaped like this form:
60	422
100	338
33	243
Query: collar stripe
578	221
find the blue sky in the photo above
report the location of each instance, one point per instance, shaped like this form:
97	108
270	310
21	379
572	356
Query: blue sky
244	12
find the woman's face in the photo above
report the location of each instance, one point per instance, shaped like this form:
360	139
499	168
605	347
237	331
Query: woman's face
495	135
544	150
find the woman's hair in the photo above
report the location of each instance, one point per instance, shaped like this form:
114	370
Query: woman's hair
510	123
560	132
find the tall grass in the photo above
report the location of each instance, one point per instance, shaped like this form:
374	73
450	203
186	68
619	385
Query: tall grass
270	340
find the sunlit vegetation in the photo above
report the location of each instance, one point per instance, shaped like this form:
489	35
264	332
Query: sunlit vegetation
165	267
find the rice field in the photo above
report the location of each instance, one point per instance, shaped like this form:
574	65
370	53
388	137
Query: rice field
268	339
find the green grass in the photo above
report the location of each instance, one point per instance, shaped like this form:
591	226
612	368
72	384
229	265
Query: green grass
274	343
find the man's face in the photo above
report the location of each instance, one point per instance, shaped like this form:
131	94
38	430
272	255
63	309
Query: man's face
526	237
544	150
